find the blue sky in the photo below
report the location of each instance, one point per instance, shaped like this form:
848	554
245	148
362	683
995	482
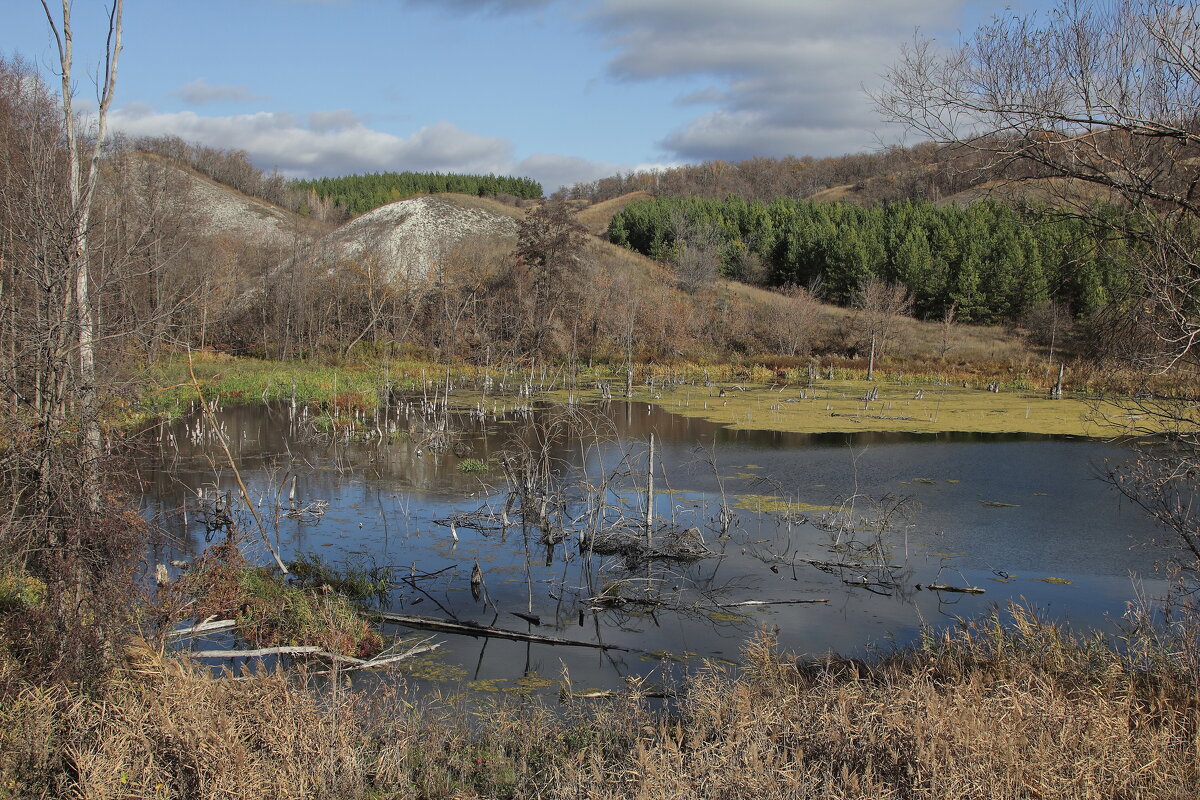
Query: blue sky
559	90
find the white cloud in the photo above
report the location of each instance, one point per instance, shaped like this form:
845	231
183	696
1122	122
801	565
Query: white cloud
330	143
331	121
553	171
787	75
199	92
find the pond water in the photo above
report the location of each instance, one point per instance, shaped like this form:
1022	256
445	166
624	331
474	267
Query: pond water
859	523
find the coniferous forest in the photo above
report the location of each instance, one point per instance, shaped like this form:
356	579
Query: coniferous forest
361	193
993	261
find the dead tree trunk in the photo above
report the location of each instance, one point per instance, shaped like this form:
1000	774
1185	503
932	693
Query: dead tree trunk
82	193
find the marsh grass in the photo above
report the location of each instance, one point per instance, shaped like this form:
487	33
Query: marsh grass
319	609
766	392
1008	706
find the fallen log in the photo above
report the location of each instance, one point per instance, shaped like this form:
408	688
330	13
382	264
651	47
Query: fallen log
293	650
209	625
380	661
772	602
353	663
604	693
478	630
941	587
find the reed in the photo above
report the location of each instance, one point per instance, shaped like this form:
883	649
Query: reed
1009	706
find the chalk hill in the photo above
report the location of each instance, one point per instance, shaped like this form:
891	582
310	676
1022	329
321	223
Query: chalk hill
406	238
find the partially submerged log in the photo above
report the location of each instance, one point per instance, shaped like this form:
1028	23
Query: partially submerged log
941	587
600	694
478	630
382	659
210	625
773	602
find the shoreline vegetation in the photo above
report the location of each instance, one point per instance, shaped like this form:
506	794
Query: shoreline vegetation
1007	706
816	398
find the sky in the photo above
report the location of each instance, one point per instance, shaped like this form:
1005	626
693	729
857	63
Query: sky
557	90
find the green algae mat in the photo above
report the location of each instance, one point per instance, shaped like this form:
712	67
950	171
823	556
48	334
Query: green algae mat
843	406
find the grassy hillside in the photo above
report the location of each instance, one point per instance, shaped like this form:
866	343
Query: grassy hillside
222	209
595	217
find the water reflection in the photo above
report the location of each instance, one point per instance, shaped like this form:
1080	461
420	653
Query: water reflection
1001	513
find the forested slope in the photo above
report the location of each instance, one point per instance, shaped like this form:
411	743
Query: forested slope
358	194
991	261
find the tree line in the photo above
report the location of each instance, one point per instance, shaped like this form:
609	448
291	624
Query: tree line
329	199
927	170
358	194
991	261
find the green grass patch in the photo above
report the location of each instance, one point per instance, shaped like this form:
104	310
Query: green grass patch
20	592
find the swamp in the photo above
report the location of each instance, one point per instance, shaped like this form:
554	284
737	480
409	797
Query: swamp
528	516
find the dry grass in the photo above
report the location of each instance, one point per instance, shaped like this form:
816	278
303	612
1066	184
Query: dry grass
488	204
1018	710
1022	713
1051	191
595	218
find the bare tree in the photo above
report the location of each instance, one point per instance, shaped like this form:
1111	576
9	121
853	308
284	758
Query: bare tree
1107	96
879	305
697	252
947	326
550	246
795	320
82	187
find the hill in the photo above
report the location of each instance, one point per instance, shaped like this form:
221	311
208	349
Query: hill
595	217
215	208
407	238
365	278
937	173
358	194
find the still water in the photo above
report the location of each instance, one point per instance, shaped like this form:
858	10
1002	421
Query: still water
858	523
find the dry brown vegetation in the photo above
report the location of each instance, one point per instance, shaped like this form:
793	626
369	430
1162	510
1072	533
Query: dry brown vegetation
999	710
595	217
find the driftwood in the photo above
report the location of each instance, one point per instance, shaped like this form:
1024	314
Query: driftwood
295	650
608	602
479	630
772	602
209	625
941	587
386	657
603	693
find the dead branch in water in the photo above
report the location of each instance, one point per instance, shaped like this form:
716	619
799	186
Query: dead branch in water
941	587
477	629
384	658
